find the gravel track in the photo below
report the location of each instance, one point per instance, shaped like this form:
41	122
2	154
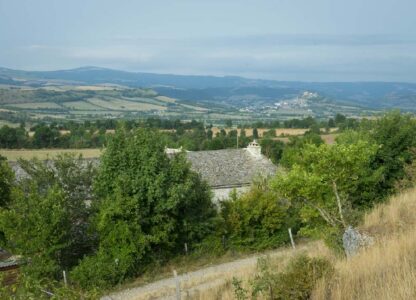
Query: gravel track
194	283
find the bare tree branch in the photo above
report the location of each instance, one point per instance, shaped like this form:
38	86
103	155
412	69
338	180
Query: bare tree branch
335	189
325	215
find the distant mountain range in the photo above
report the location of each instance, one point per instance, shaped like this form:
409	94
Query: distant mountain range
227	90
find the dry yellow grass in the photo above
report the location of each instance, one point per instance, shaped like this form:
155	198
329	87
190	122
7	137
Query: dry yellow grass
14	155
279	131
387	270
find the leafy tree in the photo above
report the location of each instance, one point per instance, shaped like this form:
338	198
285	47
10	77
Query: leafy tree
45	136
395	135
6	182
272	149
12	137
339	119
150	205
53	200
327	181
293	150
37	226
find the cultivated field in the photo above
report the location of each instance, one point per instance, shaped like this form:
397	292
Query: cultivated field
14	155
327	138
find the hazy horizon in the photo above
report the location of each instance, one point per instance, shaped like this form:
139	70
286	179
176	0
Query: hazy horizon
296	40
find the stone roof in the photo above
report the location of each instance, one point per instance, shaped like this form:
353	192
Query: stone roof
230	167
220	168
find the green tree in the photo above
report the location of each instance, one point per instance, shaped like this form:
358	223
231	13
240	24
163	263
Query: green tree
150	206
6	181
36	226
327	181
45	136
272	149
395	135
63	188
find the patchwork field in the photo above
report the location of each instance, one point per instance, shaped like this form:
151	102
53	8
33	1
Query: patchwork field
81	105
80	102
37	105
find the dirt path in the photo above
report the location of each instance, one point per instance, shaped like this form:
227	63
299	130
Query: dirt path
210	280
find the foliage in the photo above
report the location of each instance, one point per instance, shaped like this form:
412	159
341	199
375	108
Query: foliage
73	176
300	277
28	287
37	226
296	281
327	183
395	135
13	137
239	292
257	219
6	182
151	205
272	149
47	219
293	149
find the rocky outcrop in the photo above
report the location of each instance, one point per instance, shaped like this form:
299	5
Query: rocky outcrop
353	241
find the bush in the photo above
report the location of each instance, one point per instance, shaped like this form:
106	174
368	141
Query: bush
257	220
300	277
295	282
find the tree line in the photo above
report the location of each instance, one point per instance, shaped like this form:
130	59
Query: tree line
193	135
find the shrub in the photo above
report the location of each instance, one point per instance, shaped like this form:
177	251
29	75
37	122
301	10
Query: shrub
257	220
300	277
296	282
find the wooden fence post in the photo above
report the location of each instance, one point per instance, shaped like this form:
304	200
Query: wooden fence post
178	285
291	238
65	281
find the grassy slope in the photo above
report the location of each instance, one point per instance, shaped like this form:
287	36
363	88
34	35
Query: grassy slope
387	270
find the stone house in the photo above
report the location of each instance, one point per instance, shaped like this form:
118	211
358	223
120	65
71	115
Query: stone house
224	170
229	169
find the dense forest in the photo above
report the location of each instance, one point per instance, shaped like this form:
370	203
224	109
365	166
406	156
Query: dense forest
134	212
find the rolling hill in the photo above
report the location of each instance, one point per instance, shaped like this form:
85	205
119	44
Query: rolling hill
99	92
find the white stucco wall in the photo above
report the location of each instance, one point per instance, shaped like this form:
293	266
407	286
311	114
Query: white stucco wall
223	193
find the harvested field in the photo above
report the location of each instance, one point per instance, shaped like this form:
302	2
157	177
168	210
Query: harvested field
37	105
14	155
279	131
328	138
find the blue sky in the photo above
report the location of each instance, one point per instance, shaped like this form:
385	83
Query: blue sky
309	40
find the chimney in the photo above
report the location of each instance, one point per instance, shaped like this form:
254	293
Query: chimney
254	149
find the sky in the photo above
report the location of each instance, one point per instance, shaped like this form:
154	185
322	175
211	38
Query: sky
307	40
